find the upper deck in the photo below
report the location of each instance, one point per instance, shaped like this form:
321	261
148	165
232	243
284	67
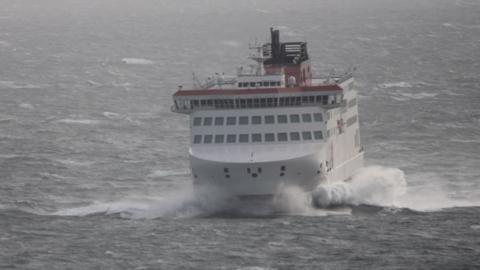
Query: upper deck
282	78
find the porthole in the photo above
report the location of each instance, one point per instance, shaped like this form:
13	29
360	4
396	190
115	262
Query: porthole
254	175
282	174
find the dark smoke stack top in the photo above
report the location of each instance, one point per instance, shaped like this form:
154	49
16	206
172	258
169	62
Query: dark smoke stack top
276	46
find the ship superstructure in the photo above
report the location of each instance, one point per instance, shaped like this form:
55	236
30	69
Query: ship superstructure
272	125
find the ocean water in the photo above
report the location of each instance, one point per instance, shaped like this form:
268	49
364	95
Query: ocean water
94	170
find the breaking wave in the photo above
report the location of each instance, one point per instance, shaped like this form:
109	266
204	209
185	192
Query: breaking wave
373	185
376	186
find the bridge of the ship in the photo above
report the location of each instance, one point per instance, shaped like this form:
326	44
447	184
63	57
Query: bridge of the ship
327	95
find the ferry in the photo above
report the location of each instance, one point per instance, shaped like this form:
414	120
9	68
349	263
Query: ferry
272	125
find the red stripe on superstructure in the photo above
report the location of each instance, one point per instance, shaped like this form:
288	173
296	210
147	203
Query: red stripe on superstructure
220	92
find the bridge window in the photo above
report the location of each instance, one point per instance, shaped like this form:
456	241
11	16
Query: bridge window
306	117
197	121
294	118
256	137
231	138
269	137
207	139
282	118
219	138
317	134
282	137
269	119
294	136
197	139
256	120
231	121
243	138
306	135
243	120
318	117
218	121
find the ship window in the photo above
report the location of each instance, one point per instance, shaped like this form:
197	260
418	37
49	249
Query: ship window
256	137
306	117
294	136
294	118
278	83
231	138
317	134
197	121
307	135
304	99
207	139
231	121
282	137
263	102
325	99
282	118
243	138
219	138
311	99
252	84
207	121
269	137
256	120
218	121
317	117
269	119
209	102
243	120
197	139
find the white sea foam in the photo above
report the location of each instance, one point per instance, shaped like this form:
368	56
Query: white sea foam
26	106
396	84
137	61
112	115
403	96
163	173
18	85
373	185
79	121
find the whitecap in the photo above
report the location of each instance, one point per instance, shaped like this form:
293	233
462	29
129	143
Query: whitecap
164	173
112	115
403	96
18	85
79	121
137	61
396	84
26	106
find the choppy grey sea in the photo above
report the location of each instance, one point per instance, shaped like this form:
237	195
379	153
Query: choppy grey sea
94	170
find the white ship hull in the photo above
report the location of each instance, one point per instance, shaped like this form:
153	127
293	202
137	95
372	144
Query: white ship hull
267	177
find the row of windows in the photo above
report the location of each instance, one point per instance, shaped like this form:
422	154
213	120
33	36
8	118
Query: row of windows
332	99
258	137
257	120
259	84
